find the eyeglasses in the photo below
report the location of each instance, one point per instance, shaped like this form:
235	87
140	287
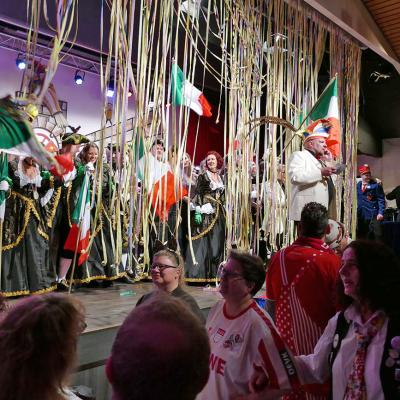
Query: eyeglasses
224	273
162	267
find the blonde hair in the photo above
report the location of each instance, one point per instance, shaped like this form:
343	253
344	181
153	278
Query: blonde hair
176	259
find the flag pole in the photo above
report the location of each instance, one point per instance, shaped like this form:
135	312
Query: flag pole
317	102
74	259
77	240
4	166
1	247
309	113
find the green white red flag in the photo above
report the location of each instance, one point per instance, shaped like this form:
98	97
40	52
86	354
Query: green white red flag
17	137
185	93
325	117
79	234
158	179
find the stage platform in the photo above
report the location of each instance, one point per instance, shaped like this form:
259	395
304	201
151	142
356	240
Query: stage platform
105	311
107	308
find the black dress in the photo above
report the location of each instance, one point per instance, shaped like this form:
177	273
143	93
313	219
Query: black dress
101	264
26	265
208	236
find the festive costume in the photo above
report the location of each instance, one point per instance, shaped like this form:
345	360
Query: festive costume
25	252
307	182
370	203
207	230
100	264
307	266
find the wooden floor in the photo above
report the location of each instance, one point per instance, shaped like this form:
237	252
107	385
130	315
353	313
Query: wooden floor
106	308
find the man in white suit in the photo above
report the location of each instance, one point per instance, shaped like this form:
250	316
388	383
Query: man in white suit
310	179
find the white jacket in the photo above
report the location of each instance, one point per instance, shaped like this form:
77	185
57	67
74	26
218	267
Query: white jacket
307	183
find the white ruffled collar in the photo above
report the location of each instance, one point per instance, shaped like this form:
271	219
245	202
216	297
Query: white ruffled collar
215	185
26	180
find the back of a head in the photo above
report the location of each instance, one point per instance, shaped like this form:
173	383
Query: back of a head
161	352
313	220
38	346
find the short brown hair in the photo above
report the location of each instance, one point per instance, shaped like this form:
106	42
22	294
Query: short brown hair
161	351
252	266
38	339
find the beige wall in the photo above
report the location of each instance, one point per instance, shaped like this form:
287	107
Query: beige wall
386	167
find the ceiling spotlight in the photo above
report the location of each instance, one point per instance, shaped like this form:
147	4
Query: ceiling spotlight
20	61
110	88
79	77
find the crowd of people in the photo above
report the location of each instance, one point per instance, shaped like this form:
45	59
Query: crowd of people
330	329
38	254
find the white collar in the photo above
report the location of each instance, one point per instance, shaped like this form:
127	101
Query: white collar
352	314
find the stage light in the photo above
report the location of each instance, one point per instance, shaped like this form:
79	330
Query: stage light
79	77
20	61
110	88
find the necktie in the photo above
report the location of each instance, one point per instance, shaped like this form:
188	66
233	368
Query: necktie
331	186
364	186
356	388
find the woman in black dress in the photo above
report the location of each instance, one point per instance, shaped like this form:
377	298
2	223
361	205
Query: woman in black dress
207	226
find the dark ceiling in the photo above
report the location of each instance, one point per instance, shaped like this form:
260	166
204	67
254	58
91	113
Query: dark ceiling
380	95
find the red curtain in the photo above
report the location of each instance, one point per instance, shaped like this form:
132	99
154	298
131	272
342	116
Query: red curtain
210	136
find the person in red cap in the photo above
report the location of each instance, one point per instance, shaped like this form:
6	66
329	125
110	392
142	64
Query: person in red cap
310	178
370	205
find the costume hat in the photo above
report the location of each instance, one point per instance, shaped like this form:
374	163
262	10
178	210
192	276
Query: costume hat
364	169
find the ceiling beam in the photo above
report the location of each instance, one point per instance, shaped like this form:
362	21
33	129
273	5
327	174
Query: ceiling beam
353	17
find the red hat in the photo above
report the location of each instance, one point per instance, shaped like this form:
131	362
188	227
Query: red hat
364	169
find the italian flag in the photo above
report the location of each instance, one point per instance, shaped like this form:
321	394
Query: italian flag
78	240
184	93
156	176
326	112
17	137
